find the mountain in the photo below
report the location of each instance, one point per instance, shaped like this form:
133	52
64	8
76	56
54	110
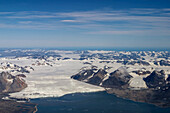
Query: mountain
83	74
10	83
120	78
101	77
156	79
97	77
157	91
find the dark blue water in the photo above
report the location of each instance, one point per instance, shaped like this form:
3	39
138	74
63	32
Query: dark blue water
98	102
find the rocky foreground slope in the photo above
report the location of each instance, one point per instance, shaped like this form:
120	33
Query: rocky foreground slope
117	82
10	84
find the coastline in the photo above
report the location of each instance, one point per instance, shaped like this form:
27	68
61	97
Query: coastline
12	106
36	109
88	102
138	96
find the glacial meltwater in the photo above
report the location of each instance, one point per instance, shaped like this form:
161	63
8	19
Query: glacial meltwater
98	102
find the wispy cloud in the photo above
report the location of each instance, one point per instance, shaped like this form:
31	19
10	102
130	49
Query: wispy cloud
118	32
70	21
132	21
25	22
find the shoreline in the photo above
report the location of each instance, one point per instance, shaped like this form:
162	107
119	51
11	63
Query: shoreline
129	95
159	105
10	106
102	99
119	94
36	109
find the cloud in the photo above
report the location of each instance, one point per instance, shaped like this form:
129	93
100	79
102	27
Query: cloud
117	32
25	22
132	21
5	13
70	21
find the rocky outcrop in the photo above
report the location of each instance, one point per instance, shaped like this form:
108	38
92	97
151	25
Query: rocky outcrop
156	79
92	76
162	63
15	68
141	72
97	77
136	62
139	62
168	79
83	74
10	83
119	78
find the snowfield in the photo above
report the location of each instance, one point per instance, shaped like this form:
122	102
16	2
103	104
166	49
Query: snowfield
47	81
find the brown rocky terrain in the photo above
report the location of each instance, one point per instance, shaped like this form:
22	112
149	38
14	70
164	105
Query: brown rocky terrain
9	106
10	84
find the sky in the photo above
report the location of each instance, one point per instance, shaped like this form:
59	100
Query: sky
85	23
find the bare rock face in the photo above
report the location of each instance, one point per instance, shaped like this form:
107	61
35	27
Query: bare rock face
91	76
10	83
156	79
168	79
120	77
83	75
21	75
162	63
97	77
139	62
140	72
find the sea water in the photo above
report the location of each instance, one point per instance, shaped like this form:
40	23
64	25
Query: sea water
97	102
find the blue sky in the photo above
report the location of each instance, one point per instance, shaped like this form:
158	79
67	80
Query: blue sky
85	23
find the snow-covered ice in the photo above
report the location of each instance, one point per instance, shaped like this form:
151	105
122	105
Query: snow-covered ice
47	81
